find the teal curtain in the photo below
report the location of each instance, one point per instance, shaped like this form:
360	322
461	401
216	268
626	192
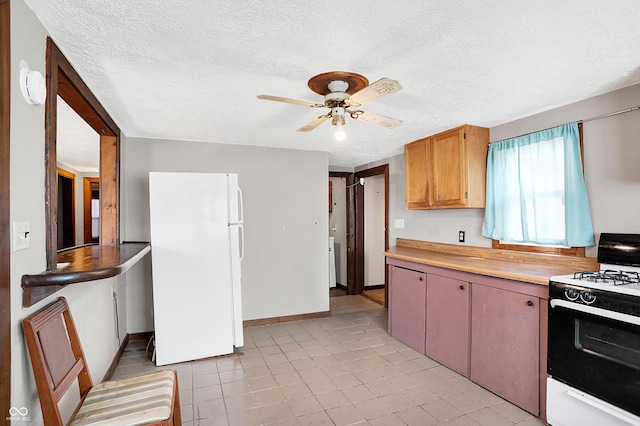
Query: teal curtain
536	192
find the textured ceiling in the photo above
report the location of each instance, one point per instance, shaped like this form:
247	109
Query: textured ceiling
173	69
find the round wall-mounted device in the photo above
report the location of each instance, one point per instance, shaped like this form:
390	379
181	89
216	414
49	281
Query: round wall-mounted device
32	86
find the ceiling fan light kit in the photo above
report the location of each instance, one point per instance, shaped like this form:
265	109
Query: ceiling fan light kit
343	90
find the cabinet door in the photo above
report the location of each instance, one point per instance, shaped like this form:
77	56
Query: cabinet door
449	168
407	292
505	340
417	179
448	322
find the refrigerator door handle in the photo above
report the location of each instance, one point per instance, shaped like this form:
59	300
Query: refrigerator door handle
241	237
240	207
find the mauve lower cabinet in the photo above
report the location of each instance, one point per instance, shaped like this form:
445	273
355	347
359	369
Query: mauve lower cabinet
407	316
448	322
505	355
491	330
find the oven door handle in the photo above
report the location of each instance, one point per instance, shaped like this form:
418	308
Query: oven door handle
602	406
629	319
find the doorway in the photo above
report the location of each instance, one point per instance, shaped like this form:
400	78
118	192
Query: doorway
372	205
91	210
340	208
358	258
66	209
374	238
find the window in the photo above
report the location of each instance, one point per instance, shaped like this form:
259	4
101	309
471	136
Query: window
535	190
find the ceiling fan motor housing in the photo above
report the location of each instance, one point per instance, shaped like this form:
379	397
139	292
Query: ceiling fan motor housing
338	93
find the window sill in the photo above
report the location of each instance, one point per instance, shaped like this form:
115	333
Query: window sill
563	251
82	264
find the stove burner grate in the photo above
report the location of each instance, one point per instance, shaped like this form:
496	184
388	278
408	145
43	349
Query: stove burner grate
609	276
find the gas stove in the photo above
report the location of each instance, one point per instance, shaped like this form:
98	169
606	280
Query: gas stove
594	339
619	258
610	278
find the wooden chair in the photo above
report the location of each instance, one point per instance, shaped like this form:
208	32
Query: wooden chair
57	360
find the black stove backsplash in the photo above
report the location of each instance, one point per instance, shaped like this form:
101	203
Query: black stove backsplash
619	249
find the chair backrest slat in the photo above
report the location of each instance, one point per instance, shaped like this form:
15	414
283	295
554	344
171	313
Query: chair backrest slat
68	380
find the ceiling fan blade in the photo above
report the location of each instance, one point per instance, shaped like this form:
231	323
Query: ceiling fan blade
291	101
380	120
380	88
315	123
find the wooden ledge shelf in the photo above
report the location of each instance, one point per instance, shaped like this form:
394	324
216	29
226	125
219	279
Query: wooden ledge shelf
82	264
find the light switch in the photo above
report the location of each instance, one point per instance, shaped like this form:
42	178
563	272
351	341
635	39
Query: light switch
21	235
398	223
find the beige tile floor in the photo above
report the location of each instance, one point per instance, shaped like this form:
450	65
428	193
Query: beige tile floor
339	370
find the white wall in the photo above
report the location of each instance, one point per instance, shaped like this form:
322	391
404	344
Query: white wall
338	226
374	203
91	303
283	273
612	174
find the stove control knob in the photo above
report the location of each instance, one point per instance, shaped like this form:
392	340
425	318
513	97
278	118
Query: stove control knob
571	294
588	297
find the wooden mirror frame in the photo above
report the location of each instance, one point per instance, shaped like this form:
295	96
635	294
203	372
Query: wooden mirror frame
64	81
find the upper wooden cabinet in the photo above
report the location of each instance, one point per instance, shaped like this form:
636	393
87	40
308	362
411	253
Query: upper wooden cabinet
447	170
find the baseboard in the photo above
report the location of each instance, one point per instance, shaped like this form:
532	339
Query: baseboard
374	287
114	364
289	318
116	359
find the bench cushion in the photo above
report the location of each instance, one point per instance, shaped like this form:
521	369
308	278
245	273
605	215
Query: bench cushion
134	401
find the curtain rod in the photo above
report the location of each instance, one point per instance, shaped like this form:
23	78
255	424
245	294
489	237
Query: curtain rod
598	117
610	114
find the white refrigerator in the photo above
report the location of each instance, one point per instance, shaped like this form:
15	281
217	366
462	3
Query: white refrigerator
197	245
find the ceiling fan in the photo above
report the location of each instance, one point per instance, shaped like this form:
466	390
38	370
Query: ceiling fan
343	93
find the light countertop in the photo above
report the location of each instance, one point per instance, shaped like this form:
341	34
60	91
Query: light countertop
527	267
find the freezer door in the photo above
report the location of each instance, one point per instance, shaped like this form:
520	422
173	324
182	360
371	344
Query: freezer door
191	259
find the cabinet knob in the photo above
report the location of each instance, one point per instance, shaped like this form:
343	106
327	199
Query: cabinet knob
461	287
421	278
529	303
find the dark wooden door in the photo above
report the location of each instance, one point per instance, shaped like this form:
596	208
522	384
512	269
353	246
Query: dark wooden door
5	252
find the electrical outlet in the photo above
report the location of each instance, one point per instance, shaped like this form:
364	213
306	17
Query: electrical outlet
461	236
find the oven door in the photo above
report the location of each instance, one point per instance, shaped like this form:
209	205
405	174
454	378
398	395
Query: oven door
596	351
